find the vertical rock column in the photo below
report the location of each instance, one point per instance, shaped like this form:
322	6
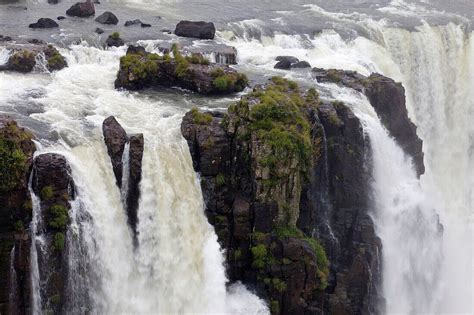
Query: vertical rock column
115	139
16	152
53	184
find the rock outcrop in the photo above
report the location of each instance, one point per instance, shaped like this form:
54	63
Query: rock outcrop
201	30
44	23
107	18
265	177
290	62
116	139
24	57
139	69
53	184
388	99
114	40
82	9
16	154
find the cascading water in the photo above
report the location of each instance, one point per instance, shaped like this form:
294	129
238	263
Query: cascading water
36	242
434	63
405	219
178	266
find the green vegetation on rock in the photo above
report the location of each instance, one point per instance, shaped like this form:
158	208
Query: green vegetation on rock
201	118
13	164
228	81
47	193
115	35
59	241
59	217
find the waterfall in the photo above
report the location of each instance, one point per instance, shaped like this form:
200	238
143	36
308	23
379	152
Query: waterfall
13	296
125	173
406	220
435	65
36	242
178	266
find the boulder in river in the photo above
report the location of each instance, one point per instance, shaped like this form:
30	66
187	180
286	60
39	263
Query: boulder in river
107	18
114	40
201	30
82	9
61	18
44	23
301	65
139	69
98	30
132	22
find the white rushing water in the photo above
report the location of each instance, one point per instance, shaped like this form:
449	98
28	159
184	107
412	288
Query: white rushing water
178	267
405	218
423	273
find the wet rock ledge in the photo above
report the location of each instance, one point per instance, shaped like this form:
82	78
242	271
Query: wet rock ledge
285	184
26	56
140	69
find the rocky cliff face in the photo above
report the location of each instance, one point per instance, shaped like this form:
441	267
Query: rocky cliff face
116	139
388	99
16	153
53	184
285	183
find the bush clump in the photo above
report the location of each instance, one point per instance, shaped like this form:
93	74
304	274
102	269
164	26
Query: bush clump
228	81
259	253
201	118
47	193
59	217
13	164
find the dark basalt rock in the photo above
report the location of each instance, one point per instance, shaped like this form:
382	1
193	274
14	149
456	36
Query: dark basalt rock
61	18
53	1
99	31
5	38
53	184
388	99
283	65
290	59
145	25
289	62
139	69
82	9
133	195
301	64
113	41
15	217
133	22
44	23
333	206
22	61
107	18
201	30
264	248
115	139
